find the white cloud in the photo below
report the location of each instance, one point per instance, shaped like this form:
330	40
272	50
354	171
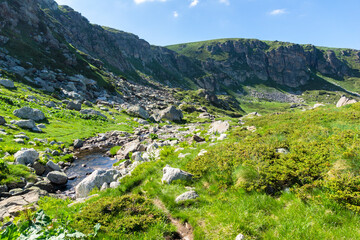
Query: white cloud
226	2
143	1
175	14
278	12
194	3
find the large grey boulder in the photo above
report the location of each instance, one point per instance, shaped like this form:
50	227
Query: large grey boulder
2	120
74	106
345	101
187	196
171	174
219	127
92	112
29	113
94	180
26	124
171	113
7	83
26	156
57	177
138	111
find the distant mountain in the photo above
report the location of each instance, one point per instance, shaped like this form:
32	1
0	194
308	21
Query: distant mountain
56	37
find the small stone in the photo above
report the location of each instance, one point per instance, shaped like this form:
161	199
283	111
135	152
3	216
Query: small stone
2	120
7	83
114	184
39	168
78	143
57	177
171	174
187	196
197	138
53	166
240	237
104	186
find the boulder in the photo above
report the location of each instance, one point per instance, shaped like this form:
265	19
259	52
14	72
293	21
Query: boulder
345	101
125	151
219	127
222	137
78	143
96	179
26	156
29	113
45	185
172	114
171	174
53	166
25	124
57	177
138	111
74	106
2	120
137	157
187	196
39	168
7	83
197	138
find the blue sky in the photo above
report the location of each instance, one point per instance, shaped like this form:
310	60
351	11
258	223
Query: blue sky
332	23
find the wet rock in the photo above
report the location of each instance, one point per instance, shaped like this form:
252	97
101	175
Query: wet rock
96	179
26	156
58	178
187	196
45	185
7	83
53	166
171	174
29	113
78	143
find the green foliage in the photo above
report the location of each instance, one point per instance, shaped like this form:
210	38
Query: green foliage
40	226
114	150
153	136
119	216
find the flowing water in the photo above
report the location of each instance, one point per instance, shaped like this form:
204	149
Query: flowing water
84	166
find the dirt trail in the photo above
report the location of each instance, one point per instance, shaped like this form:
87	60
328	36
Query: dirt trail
184	230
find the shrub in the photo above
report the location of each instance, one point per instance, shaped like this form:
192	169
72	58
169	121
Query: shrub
119	216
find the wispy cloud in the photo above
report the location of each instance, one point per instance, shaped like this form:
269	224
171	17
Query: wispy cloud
278	12
194	3
144	1
226	2
175	14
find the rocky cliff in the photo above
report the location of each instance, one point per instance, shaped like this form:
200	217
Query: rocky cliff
57	37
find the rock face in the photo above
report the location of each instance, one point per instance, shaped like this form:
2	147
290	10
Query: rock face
172	114
29	113
26	156
171	174
96	179
187	196
138	111
219	127
7	83
345	101
57	177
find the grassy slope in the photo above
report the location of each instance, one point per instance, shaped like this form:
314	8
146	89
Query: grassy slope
313	189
